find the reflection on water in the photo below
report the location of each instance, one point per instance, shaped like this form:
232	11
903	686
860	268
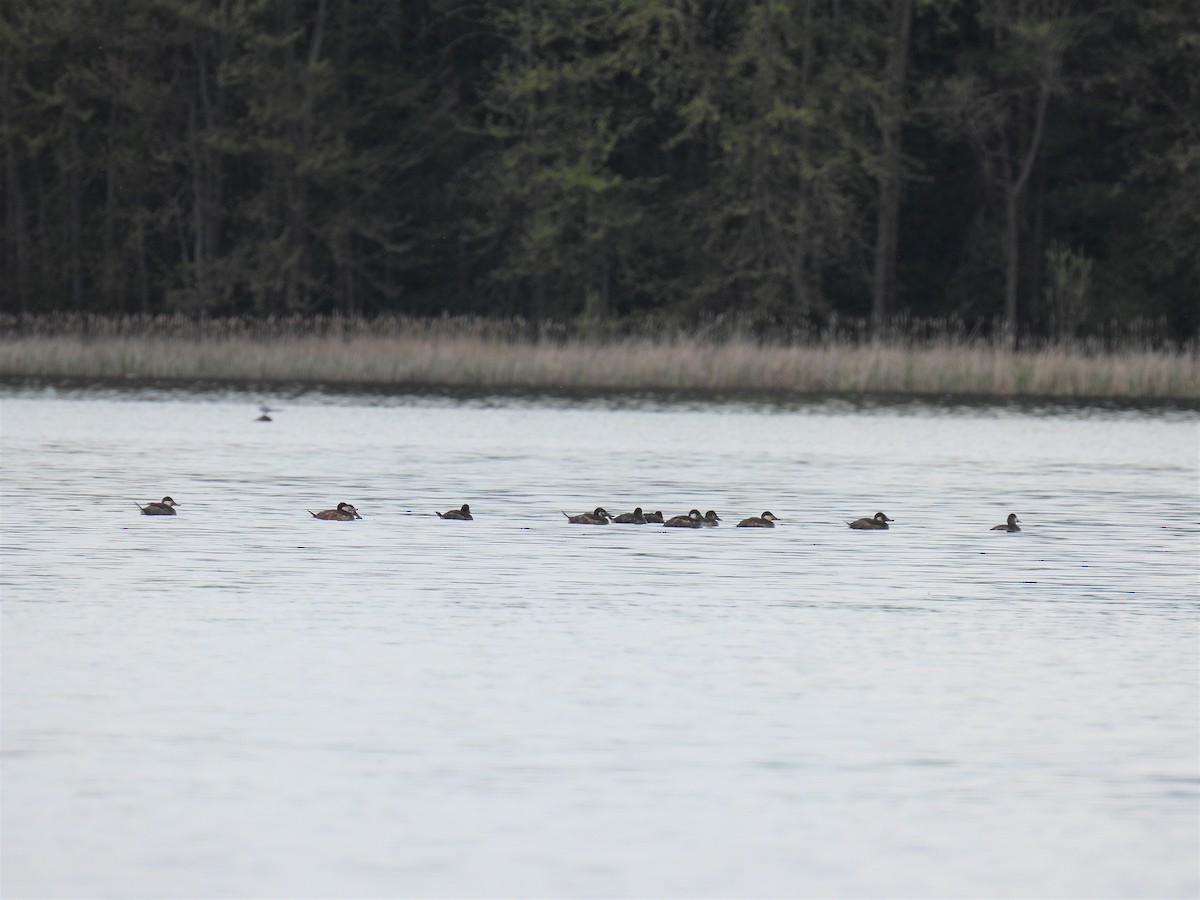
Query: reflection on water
244	701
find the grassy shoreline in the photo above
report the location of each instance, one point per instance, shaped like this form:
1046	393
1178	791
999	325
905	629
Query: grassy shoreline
455	354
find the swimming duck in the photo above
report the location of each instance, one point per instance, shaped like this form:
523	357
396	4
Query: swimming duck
598	516
164	507
1010	525
637	517
344	512
692	520
710	519
877	521
766	520
463	513
655	516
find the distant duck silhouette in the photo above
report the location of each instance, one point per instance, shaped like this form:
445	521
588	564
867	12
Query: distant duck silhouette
876	522
766	520
264	417
655	516
598	516
637	517
1010	525
692	520
462	513
164	507
344	512
711	519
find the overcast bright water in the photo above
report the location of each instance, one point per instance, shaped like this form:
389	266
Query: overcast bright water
243	701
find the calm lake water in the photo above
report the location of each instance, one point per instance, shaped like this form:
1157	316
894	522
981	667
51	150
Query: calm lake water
243	701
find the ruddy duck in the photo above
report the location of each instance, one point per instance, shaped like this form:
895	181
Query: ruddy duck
598	516
463	513
877	521
692	520
1010	525
766	520
655	516
710	519
344	512
637	517
164	507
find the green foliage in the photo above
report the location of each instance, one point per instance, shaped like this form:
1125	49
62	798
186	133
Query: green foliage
671	160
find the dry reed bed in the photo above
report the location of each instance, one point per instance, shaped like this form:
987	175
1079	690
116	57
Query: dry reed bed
737	364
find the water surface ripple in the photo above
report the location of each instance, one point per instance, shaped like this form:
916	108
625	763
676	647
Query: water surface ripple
244	701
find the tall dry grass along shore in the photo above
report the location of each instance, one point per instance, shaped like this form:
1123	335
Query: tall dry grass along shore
489	355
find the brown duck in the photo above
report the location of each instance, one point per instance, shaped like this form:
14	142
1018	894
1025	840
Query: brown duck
1010	525
343	512
692	520
164	507
766	520
598	516
637	517
876	522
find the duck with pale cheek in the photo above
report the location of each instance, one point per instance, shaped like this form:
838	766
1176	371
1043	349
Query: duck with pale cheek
598	516
692	520
164	507
877	522
766	520
343	512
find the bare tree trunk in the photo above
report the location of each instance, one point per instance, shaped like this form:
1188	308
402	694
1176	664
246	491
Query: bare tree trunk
109	267
207	188
801	287
199	250
1012	264
143	269
1013	196
1037	240
883	285
16	250
74	216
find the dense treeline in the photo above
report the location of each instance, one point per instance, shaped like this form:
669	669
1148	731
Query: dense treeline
1031	162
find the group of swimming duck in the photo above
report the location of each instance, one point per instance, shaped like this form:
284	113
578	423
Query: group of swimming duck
600	516
345	512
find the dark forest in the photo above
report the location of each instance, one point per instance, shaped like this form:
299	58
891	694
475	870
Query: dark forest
1032	165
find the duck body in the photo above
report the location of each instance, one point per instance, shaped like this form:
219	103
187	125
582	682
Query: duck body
766	520
598	516
877	522
655	516
710	520
164	507
462	513
637	517
343	512
692	520
1010	525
